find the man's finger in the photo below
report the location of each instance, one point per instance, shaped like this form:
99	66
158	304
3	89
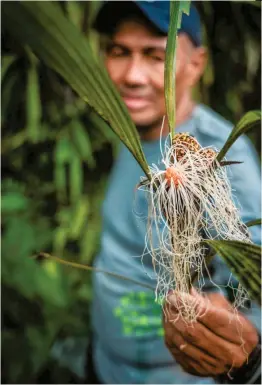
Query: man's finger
224	320
190	365
174	339
219	320
230	326
204	339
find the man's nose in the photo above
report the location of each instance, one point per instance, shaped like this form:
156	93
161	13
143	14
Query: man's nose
136	73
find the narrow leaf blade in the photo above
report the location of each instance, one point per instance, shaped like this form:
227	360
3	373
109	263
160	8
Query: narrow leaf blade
244	260
176	10
254	222
81	140
33	102
249	120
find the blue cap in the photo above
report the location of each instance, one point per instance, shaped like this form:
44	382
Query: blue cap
156	12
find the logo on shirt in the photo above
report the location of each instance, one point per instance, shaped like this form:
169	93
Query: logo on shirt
140	314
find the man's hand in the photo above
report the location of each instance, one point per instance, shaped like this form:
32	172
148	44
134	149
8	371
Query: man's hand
220	339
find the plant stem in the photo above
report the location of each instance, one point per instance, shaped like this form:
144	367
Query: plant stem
91	268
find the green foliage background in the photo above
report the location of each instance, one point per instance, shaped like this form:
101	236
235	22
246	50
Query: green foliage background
56	157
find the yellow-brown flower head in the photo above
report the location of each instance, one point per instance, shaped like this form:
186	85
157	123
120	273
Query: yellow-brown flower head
183	142
208	155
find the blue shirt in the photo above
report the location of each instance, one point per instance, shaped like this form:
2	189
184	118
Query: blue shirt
127	322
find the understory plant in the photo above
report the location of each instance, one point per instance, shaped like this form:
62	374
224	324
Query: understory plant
191	199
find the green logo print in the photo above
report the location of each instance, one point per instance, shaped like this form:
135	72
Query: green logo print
139	314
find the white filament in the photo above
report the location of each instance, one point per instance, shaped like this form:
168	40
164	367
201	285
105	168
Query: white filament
184	211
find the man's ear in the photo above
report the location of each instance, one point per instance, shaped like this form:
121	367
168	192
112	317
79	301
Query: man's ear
197	65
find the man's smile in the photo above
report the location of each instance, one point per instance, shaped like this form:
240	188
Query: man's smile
135	103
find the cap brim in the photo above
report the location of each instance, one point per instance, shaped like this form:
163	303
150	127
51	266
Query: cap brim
150	13
111	12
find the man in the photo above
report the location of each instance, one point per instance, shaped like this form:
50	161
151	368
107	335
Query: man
129	337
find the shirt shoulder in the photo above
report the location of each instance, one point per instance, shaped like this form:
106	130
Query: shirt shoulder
213	130
209	123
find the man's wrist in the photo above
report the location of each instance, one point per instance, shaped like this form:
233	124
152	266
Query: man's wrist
249	373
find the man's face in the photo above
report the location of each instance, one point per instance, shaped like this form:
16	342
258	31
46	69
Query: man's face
135	61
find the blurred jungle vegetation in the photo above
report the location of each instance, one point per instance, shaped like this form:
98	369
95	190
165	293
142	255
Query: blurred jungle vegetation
56	157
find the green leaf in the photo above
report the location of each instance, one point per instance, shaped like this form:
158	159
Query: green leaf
81	140
256	3
56	41
229	162
79	218
249	120
90	241
76	179
33	101
60	182
74	13
244	260
60	239
12	83
254	222
99	124
6	62
22	273
64	153
12	202
14	141
176	10
101	127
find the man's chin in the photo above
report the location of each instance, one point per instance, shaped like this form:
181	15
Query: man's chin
143	122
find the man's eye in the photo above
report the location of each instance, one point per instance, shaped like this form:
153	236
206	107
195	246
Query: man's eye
116	52
158	58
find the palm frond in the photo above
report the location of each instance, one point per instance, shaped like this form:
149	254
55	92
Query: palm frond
244	260
57	42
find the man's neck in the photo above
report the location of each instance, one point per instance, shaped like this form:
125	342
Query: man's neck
184	110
